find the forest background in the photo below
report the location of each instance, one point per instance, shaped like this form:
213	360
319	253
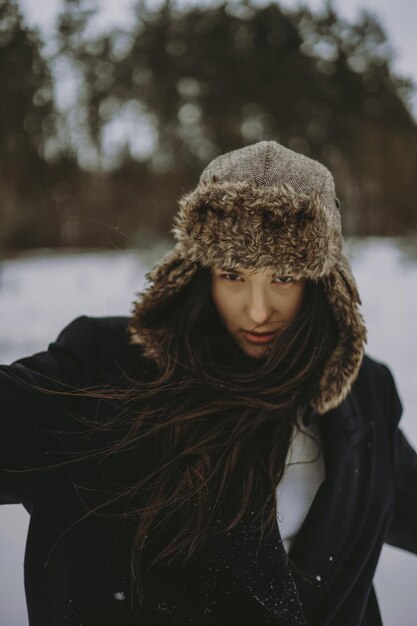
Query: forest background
177	86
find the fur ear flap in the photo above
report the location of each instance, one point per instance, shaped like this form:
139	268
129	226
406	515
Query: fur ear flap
164	282
347	276
343	365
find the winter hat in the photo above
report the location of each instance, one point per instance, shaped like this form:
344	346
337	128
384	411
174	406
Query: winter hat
262	205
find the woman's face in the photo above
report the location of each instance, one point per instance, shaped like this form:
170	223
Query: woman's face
255	305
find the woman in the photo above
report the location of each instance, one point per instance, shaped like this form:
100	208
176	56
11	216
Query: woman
226	455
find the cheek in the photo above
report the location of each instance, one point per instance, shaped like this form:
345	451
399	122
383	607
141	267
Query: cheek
297	300
226	305
217	296
289	304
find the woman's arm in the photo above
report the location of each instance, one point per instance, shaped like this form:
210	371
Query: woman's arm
403	529
34	424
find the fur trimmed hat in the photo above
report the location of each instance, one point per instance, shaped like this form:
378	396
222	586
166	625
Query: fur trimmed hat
262	206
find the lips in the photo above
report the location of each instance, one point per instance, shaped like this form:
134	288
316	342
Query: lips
259	338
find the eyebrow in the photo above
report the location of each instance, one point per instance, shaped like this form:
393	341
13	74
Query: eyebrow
231	270
235	271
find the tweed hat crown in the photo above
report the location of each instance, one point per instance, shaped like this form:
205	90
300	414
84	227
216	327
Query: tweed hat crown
262	206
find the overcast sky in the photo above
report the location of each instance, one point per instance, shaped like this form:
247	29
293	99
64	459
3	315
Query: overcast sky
399	18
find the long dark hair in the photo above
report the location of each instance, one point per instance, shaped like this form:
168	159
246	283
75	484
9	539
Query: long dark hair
226	415
214	423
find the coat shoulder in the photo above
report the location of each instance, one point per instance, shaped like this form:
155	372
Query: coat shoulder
373	367
375	389
89	329
102	343
374	371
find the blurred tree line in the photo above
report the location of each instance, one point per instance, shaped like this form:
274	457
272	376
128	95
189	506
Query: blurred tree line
153	104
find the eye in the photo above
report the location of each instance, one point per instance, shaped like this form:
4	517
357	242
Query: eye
230	276
284	280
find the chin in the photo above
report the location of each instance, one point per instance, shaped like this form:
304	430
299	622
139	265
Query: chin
256	352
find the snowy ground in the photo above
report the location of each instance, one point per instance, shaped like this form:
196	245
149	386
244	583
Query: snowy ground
41	294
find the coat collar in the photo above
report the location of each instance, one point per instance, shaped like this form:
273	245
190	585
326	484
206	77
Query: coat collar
327	534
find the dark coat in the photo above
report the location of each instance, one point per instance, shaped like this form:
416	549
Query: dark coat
79	575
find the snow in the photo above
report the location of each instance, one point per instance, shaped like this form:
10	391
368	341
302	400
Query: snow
119	595
41	294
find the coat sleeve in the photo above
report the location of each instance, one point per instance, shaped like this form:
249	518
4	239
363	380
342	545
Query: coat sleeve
403	530
33	424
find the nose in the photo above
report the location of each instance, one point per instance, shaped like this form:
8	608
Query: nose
259	308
